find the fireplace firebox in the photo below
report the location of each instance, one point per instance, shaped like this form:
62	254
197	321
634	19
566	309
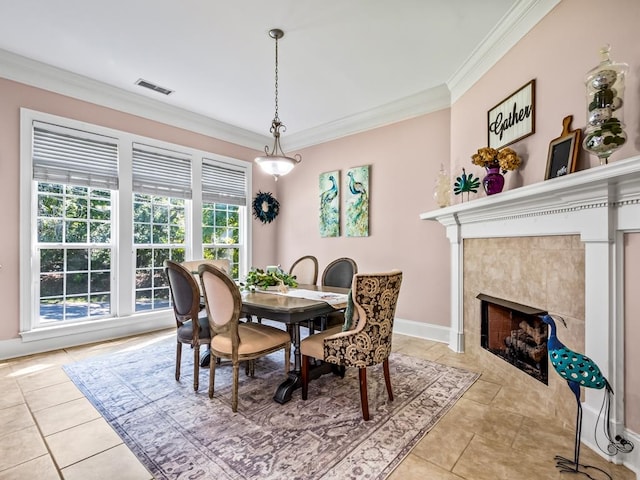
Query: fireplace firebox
515	333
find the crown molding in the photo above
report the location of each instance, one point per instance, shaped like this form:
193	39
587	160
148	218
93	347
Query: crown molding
421	103
516	23
40	75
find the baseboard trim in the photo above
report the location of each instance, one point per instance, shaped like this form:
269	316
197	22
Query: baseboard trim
426	331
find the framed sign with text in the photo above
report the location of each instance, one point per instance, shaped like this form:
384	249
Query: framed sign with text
514	118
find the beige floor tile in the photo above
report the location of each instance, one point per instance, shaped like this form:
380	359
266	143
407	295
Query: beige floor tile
80	442
41	468
11	394
66	415
416	468
40	362
21	446
15	418
486	460
29	379
498	425
443	445
117	462
482	392
53	395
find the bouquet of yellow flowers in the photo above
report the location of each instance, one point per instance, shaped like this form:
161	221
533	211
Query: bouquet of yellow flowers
506	159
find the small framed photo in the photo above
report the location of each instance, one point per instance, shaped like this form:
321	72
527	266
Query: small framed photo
563	151
514	118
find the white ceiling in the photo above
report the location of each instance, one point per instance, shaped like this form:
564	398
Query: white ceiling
343	64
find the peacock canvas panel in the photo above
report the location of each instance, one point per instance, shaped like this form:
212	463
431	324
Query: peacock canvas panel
357	202
330	204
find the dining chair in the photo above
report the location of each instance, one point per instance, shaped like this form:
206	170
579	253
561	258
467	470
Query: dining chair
338	273
231	338
192	265
365	338
305	269
185	296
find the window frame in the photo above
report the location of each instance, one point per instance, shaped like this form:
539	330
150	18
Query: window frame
124	317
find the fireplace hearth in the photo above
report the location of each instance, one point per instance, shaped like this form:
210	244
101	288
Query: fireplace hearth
515	333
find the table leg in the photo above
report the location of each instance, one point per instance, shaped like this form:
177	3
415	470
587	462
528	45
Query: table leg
293	381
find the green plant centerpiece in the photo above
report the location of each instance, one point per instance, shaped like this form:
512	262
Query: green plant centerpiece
261	280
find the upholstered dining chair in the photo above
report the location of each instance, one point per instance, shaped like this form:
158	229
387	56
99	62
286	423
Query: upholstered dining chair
366	339
185	296
231	338
305	269
338	273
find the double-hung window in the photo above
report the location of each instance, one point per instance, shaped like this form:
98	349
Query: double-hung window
103	209
161	191
75	177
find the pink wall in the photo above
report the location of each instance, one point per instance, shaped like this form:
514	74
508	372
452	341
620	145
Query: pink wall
405	159
13	96
557	52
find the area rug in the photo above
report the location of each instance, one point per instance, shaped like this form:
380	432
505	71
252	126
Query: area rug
179	434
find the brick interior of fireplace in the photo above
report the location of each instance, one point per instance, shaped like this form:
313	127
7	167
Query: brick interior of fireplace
515	333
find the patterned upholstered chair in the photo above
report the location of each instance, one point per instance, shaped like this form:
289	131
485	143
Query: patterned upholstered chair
305	270
185	296
365	339
231	338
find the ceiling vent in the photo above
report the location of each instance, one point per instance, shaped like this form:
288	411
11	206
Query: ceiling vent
153	86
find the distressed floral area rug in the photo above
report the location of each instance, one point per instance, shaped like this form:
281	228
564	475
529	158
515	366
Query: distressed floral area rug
179	434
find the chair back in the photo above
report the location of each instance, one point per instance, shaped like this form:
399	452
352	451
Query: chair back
185	293
375	296
222	299
339	273
305	269
222	263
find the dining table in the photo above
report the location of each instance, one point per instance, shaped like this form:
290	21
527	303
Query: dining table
293	308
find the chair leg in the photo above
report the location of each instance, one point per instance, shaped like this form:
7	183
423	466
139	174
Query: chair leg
196	368
234	397
387	378
178	358
364	401
212	375
305	376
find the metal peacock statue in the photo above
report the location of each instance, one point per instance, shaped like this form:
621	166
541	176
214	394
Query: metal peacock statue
580	371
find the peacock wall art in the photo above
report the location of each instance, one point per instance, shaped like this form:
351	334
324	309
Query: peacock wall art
357	202
329	214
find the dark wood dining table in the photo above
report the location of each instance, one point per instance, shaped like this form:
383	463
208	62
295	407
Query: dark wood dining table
292	311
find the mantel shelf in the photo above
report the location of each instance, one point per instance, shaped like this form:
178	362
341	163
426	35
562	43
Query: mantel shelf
603	185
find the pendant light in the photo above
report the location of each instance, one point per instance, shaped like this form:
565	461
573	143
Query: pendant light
275	162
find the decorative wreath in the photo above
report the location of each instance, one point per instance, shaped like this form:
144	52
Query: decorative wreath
265	207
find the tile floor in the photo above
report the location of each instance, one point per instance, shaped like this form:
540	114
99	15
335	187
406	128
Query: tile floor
50	431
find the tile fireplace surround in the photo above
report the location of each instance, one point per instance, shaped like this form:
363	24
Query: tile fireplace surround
584	216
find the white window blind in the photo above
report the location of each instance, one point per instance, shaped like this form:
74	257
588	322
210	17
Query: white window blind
163	172
70	156
221	184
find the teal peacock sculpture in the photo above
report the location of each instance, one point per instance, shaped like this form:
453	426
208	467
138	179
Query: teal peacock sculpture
580	371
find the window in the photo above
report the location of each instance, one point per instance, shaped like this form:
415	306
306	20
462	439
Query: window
74	174
101	211
223	193
161	185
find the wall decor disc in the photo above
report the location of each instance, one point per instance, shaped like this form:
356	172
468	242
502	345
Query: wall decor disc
265	207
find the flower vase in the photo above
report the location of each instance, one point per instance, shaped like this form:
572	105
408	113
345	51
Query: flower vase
493	181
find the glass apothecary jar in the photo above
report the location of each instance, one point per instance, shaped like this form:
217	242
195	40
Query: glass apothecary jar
605	133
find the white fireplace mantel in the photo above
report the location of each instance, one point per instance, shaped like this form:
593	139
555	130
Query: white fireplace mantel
599	204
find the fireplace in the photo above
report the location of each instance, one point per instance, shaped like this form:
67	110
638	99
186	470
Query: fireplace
566	238
515	333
